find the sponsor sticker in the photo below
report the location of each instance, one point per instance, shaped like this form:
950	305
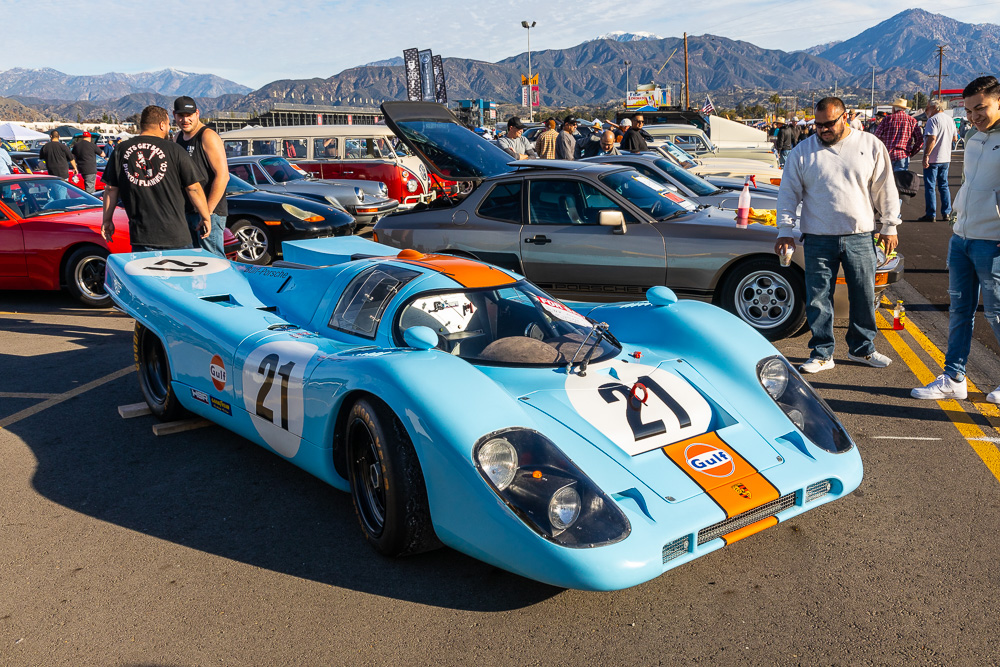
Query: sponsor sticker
199	396
563	313
217	369
221	405
709	460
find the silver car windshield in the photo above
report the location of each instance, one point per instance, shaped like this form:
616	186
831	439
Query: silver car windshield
651	197
686	159
281	170
693	182
510	325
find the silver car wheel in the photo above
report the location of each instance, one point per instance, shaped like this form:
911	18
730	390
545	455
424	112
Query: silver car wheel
253	243
764	299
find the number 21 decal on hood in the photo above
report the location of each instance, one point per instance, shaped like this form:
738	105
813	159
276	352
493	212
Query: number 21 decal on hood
638	407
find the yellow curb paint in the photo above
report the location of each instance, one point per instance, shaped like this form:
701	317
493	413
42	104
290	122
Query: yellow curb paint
987	451
45	405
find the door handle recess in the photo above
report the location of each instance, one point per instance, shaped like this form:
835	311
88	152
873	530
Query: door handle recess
538	239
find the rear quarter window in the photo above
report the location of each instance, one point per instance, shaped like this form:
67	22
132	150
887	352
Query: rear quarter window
363	303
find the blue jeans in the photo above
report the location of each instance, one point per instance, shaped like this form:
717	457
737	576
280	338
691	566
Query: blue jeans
973	266
901	165
214	242
783	155
824	256
936	175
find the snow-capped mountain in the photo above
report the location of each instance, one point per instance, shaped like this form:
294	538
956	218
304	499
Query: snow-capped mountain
622	36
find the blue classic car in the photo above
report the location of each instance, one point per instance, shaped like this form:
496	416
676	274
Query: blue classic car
589	446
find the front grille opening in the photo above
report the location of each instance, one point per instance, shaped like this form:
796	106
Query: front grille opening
677	548
743	520
818	490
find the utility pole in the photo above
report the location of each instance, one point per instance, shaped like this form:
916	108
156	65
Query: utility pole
687	87
627	87
873	92
941	49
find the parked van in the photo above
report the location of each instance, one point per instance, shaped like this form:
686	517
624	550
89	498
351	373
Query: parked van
366	152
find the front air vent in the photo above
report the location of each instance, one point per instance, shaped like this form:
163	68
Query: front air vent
743	520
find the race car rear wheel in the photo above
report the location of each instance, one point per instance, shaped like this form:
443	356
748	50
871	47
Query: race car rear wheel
84	276
256	244
767	296
387	485
154	375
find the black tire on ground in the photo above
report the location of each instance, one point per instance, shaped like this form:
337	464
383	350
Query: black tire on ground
387	485
84	276
153	369
256	242
767	296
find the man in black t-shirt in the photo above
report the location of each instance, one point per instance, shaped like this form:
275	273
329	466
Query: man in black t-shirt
57	157
152	175
633	141
86	161
205	147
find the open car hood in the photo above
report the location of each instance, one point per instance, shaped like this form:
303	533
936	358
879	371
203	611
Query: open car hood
448	149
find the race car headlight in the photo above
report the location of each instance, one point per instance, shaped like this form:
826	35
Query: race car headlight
547	491
498	460
301	214
803	406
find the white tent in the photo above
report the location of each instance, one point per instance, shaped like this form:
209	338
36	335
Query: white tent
15	132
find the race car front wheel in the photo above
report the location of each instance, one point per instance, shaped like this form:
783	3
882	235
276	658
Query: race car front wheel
154	374
84	276
387	485
765	295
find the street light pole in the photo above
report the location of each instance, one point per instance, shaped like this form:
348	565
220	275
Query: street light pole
531	110
873	92
627	63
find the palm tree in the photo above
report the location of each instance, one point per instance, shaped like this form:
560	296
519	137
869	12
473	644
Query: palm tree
775	100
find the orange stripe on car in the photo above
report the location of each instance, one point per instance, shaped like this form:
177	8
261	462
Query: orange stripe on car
747	531
466	272
732	482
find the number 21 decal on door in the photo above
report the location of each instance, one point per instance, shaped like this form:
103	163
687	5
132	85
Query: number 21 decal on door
273	392
638	407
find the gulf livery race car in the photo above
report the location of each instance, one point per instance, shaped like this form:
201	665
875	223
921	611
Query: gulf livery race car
583	445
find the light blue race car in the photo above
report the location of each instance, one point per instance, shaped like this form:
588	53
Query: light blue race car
586	446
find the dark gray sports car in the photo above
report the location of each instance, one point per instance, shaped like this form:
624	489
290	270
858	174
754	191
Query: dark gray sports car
586	231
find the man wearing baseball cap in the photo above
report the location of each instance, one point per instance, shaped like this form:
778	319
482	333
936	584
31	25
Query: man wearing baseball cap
514	142
205	147
85	153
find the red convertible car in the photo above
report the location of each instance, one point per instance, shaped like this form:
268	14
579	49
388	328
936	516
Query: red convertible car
50	237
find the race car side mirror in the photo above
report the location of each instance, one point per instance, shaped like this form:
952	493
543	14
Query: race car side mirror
422	338
661	296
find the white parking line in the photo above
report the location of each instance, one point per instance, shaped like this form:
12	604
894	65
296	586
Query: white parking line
900	437
65	396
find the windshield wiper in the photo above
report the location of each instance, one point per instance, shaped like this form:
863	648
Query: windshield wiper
598	331
676	214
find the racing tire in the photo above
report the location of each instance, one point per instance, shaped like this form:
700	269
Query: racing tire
387	485
767	296
84	276
256	242
153	368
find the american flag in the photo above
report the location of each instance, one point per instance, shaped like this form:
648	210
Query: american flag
708	107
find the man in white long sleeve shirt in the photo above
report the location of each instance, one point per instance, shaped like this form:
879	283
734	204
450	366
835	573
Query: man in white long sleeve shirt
974	248
843	179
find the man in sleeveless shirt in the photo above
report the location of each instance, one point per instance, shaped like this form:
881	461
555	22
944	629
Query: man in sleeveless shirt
205	147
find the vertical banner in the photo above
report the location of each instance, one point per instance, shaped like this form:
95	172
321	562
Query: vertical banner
426	75
535	97
412	69
524	96
440	91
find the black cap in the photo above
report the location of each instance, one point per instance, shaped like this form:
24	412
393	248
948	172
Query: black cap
515	122
569	121
185	104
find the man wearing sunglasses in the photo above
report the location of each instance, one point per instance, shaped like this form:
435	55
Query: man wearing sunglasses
633	141
838	175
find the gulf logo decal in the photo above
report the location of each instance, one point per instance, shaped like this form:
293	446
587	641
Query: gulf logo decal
731	481
709	460
217	369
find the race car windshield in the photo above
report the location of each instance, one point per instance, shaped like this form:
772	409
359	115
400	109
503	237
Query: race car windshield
513	325
651	197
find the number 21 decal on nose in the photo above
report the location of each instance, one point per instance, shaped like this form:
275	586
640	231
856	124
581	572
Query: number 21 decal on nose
640	408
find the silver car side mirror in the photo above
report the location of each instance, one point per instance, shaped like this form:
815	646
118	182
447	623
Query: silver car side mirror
612	219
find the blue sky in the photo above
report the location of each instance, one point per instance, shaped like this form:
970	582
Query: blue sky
254	42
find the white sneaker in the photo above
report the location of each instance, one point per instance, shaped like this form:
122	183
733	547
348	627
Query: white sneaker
815	365
994	396
945	387
875	359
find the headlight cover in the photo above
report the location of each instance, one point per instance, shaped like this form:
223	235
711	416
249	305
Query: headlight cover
360	194
803	406
547	491
301	214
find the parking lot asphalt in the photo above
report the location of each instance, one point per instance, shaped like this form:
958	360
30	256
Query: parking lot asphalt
118	547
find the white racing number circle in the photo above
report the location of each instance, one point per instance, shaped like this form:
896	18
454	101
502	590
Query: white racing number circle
176	266
639	407
273	392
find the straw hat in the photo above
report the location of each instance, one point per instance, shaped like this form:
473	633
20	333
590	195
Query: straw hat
899	103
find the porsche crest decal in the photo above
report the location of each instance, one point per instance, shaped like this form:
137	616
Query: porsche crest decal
742	490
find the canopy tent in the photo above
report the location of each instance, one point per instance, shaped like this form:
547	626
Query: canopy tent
15	132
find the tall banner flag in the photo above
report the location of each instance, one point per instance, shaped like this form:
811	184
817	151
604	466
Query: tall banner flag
426	75
412	68
708	108
440	91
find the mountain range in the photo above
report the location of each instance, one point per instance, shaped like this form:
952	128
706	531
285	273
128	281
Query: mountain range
902	50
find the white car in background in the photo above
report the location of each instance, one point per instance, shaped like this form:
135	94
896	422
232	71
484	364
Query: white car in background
729	140
713	167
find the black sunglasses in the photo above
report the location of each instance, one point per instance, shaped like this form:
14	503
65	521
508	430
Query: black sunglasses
829	124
